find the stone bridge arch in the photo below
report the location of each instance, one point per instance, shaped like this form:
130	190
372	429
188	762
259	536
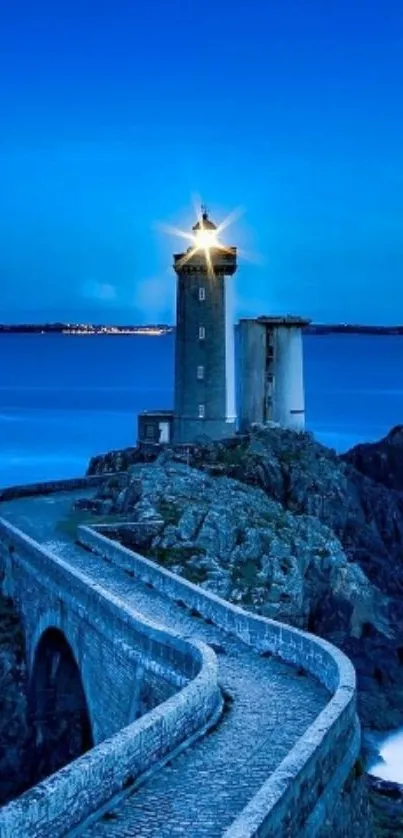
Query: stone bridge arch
57	704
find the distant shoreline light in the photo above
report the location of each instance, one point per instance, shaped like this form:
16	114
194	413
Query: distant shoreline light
160	329
85	329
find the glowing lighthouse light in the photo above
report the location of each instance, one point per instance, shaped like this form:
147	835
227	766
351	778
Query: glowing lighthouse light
205	239
205	233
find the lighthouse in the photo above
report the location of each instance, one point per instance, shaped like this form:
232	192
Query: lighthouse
269	366
204	399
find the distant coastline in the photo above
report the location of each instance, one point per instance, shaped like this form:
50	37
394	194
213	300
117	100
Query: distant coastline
158	329
351	329
84	329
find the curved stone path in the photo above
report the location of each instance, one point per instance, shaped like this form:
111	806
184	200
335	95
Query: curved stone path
270	706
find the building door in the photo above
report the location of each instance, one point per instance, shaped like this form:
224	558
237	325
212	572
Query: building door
164	431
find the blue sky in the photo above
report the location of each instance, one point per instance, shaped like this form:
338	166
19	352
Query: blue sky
114	115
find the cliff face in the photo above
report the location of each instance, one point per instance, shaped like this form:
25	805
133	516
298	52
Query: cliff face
387	807
284	526
381	461
14	735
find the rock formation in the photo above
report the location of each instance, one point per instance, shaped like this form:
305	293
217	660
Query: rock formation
387	807
282	525
15	769
382	461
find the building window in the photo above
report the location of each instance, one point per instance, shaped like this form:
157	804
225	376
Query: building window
200	372
202	293
150	431
202	333
269	385
201	411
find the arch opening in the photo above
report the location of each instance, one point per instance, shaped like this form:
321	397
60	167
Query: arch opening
57	706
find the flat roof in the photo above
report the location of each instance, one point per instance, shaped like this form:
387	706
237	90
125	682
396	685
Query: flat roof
156	413
278	320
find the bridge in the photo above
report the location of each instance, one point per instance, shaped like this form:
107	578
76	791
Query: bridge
191	716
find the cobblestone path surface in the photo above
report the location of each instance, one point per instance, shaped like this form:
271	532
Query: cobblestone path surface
202	790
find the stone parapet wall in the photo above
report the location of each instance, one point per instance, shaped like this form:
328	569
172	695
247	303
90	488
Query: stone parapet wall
48	487
66	798
302	795
156	648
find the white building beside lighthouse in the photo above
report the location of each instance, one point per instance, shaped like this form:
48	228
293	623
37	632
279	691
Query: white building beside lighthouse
270	372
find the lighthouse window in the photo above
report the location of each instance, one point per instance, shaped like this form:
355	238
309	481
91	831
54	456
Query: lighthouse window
202	293
202	333
200	371
201	411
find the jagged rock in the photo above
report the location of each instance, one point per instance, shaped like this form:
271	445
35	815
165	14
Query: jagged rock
115	461
296	532
382	461
15	737
387	806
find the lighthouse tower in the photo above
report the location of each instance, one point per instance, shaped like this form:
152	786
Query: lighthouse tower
204	351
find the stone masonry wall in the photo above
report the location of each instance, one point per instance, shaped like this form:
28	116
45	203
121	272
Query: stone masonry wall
303	795
112	650
50	486
316	792
66	798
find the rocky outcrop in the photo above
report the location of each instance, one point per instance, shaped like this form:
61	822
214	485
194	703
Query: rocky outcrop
387	807
353	815
285	526
381	461
240	543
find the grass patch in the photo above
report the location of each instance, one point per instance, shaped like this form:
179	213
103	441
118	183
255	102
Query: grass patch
82	517
197	575
231	456
169	511
245	574
169	557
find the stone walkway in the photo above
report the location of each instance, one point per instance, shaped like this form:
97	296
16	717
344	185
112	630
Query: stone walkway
201	791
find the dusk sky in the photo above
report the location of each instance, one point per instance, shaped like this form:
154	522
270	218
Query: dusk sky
116	114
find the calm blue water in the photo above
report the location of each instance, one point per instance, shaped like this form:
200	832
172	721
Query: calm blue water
64	398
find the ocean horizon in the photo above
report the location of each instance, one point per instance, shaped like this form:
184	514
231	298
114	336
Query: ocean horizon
66	398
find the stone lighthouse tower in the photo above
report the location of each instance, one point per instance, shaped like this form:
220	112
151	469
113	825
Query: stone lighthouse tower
204	351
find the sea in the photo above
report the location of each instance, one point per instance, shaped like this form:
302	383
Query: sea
65	398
